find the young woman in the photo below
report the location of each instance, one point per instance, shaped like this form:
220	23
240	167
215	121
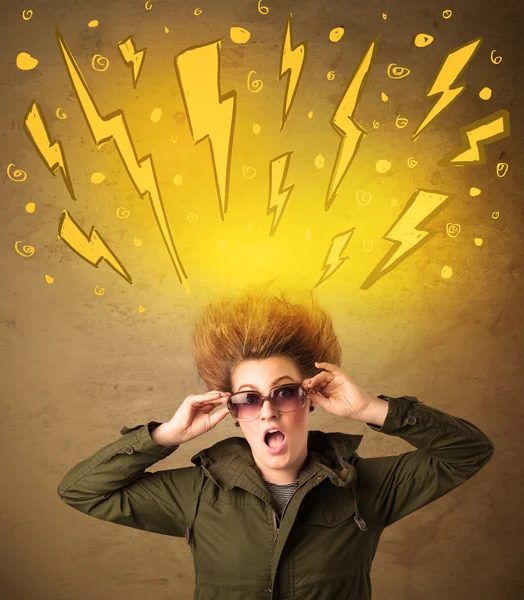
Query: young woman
285	511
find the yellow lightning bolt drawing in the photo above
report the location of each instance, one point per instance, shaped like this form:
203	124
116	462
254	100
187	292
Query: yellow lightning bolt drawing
132	57
420	209
92	248
334	259
292	60
278	195
475	136
344	124
211	115
141	172
51	152
453	65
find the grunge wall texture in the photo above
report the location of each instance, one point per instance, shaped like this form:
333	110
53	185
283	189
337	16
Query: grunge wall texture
96	333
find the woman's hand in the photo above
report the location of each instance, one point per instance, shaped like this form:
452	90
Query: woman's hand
337	393
194	418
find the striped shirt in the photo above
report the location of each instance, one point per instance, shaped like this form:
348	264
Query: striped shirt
281	493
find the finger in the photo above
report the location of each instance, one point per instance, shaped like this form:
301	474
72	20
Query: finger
218	416
209	395
317	397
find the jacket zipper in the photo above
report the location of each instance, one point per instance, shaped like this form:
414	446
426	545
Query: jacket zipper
275	525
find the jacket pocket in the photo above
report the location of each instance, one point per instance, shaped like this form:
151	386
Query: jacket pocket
328	506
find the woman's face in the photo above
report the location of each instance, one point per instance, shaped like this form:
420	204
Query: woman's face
261	375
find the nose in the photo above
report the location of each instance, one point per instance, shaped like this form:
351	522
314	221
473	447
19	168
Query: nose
268	410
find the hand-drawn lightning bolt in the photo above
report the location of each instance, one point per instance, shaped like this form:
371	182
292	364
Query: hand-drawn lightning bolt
292	60
344	124
420	209
132	57
114	126
51	152
211	115
92	248
334	259
278	195
475	136
453	65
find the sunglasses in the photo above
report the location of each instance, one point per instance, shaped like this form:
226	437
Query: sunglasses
285	398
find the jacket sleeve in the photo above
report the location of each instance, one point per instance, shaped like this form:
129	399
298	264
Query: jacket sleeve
449	451
112	486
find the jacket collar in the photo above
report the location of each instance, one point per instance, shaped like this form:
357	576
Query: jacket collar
230	462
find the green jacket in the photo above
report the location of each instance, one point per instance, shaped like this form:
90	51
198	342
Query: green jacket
323	547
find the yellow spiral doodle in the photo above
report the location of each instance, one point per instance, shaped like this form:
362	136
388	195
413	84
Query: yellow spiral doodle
122	213
331	75
396	72
60	113
393	202
401	122
100	291
49	279
99	62
174	140
452	229
29	249
256	85
263	10
367	246
364	198
495	214
495	60
375	124
18	175
412	163
192	217
502	169
197	11
384	16
248	172
148	5
27	14
446	14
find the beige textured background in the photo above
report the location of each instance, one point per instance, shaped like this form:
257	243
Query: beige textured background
77	367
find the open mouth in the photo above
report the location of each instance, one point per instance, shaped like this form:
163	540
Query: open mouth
275	442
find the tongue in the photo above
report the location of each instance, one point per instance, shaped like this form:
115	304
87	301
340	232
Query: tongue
275	439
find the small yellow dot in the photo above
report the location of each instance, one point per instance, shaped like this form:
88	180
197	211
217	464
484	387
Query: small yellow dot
485	93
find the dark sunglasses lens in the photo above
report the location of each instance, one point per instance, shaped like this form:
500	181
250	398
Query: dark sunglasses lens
287	398
246	405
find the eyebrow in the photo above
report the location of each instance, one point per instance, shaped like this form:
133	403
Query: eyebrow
274	382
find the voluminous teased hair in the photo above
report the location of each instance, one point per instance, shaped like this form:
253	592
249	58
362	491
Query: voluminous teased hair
255	326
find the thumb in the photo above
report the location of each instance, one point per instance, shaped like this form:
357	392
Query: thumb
317	397
215	418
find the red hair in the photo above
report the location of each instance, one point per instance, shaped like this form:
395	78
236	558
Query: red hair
255	326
